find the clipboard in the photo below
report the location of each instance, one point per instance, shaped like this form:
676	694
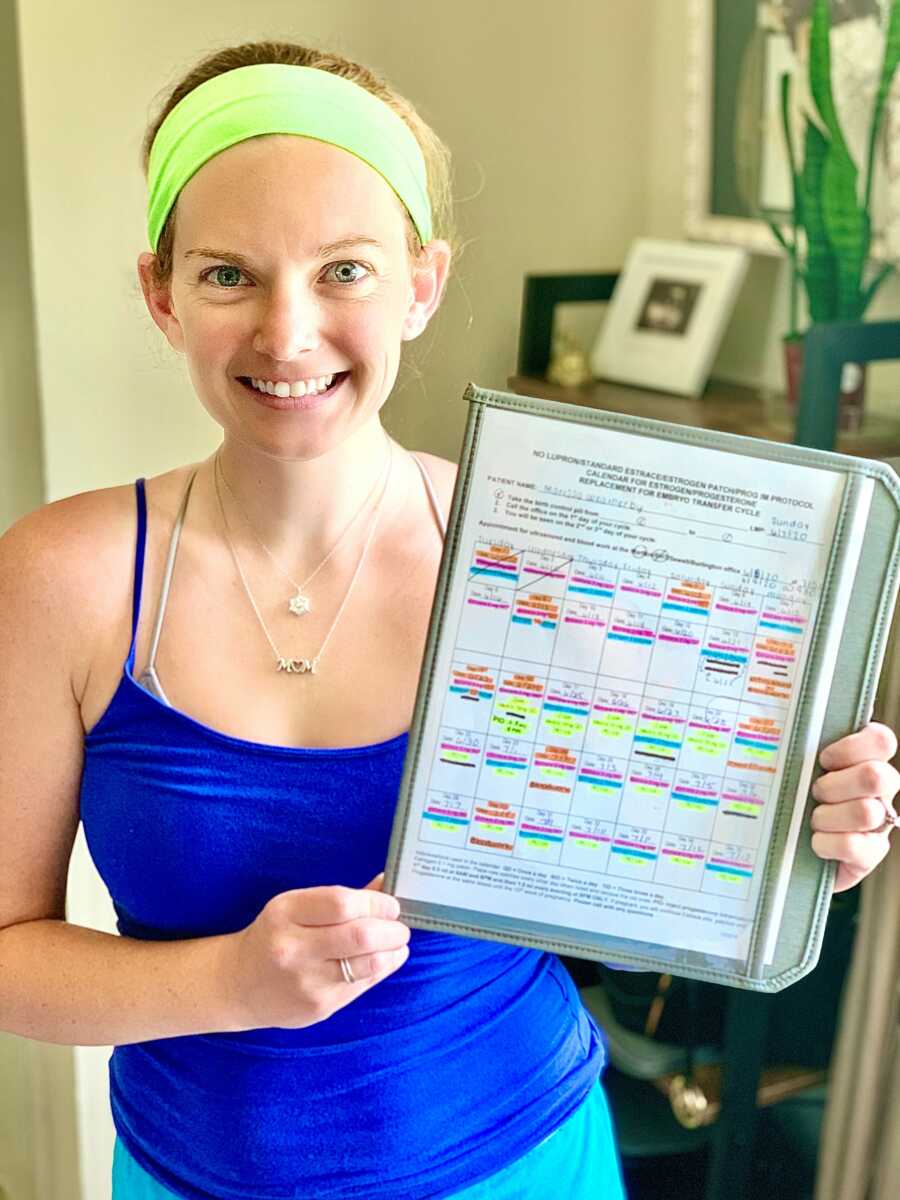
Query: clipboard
642	634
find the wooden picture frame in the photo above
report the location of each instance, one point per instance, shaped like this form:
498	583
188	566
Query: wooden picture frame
540	296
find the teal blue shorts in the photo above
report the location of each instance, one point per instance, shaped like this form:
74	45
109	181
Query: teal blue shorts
579	1161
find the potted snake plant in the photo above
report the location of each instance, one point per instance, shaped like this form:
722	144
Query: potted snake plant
828	235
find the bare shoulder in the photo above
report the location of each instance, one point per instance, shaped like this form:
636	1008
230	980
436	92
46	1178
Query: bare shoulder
74	558
62	558
63	543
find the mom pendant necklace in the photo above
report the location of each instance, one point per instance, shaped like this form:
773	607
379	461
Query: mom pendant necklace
299	603
302	666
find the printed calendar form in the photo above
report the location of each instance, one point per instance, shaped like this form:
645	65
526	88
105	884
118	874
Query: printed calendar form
622	645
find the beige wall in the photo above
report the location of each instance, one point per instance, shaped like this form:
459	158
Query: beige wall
35	1080
20	438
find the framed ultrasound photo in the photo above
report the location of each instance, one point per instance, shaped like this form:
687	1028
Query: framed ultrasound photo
667	314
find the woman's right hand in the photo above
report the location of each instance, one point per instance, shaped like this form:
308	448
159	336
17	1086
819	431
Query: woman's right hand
284	969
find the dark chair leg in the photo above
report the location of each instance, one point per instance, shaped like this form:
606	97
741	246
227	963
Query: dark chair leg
746	1029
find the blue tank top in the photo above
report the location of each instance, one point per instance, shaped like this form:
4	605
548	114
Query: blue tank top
464	1059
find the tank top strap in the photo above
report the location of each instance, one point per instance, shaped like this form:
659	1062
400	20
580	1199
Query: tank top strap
140	547
432	496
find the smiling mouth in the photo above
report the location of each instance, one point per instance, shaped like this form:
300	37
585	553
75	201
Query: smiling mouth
293	401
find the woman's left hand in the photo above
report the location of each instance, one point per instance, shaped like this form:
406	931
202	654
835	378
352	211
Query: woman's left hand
854	797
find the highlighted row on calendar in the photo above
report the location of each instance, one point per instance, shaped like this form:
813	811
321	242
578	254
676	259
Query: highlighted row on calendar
642	589
700	735
655	795
586	843
686	640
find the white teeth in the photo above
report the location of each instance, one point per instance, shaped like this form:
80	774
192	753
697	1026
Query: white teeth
309	387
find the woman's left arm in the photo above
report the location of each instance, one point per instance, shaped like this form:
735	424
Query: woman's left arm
854	814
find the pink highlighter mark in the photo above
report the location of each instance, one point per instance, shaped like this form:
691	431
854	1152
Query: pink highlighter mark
627	587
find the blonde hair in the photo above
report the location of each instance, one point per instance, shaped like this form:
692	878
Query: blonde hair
434	151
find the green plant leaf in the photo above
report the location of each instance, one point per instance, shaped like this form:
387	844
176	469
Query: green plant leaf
889	65
847	227
884	272
821	274
796	194
780	238
820	70
796	201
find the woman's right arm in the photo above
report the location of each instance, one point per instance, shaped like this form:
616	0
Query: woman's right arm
68	984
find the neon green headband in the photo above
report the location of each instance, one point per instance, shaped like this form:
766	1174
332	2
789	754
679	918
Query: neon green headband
282	98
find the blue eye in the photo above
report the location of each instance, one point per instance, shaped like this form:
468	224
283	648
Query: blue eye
232	274
227	276
343	268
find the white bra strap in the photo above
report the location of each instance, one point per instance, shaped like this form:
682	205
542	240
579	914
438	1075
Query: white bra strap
167	577
432	495
150	680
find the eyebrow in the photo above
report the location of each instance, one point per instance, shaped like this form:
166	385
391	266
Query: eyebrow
324	250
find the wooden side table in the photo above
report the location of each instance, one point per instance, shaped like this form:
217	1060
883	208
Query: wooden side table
726	407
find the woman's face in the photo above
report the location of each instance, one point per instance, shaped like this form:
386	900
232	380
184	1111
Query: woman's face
291	264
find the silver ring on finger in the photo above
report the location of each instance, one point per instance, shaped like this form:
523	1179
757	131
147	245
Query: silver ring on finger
891	820
347	970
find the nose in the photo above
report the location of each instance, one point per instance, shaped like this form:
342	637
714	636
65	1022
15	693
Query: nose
288	324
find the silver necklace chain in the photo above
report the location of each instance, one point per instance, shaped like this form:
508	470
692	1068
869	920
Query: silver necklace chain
299	603
303	666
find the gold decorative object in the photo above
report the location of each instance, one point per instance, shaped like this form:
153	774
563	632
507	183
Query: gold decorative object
689	1103
568	362
696	1100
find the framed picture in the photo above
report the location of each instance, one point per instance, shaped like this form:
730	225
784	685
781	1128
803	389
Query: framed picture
735	159
667	315
540	296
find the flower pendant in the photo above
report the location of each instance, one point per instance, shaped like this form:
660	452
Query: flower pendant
299	604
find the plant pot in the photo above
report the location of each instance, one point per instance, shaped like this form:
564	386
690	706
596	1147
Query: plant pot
853	385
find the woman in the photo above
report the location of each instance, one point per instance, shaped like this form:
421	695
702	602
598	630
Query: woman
278	1030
